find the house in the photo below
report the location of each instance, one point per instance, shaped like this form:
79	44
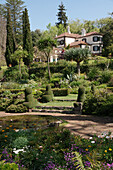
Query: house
92	40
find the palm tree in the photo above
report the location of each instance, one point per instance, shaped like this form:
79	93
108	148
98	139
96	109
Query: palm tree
77	55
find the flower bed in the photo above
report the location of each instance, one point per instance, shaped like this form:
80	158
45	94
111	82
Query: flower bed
44	147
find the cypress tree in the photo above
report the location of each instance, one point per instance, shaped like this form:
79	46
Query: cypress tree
16	9
10	43
62	18
27	39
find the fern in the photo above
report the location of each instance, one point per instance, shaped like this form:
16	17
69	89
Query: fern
79	163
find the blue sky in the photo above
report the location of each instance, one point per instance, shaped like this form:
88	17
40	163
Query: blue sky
43	12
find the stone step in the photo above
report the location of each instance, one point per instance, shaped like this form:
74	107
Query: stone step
53	111
55	107
67	100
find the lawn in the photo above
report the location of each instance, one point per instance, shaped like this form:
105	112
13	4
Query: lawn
68	97
57	103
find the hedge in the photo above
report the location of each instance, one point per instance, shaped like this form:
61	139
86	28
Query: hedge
57	91
11	90
60	92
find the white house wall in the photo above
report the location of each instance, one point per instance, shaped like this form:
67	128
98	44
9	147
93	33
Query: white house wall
69	40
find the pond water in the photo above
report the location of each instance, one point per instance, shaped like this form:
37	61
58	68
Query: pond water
26	121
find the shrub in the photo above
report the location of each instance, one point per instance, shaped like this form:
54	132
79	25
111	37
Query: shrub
13	74
48	96
99	104
20	142
93	73
60	92
30	101
20	108
105	76
81	94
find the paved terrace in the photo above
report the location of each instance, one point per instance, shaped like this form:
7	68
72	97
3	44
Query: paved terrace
83	125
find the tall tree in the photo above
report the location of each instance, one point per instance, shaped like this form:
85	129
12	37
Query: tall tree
16	8
2	40
62	18
78	55
46	46
27	39
10	43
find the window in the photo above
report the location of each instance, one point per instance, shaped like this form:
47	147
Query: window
95	39
84	39
62	42
96	48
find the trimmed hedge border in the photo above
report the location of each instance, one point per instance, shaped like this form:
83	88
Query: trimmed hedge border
12	90
56	91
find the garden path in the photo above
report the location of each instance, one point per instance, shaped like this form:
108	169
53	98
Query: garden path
83	125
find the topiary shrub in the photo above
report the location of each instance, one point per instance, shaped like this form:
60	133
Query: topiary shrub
12	108
20	108
30	101
81	94
48	96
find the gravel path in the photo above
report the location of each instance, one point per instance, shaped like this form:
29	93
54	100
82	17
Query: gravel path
83	125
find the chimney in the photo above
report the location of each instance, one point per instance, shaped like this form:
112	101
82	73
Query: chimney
83	32
68	29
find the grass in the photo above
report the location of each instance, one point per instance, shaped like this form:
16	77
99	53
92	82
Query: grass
57	103
69	97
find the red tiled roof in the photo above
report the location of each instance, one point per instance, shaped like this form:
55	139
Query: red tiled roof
78	43
66	34
90	33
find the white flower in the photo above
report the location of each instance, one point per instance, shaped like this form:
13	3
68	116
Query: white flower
18	150
99	136
90	138
107	137
92	141
103	136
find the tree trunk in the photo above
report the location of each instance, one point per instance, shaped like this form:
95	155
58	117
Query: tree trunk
49	73
78	68
20	67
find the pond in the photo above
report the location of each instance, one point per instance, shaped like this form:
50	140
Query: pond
26	122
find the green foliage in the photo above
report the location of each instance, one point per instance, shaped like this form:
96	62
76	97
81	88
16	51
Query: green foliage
10	44
48	96
78	55
99	103
62	18
93	73
13	73
20	142
8	166
46	46
27	39
106	75
30	101
81	94
19	108
60	92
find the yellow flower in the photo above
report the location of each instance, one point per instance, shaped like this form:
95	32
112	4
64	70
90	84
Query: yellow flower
3	130
86	149
7	127
110	149
6	136
105	151
10	126
24	128
5	140
89	146
14	129
104	154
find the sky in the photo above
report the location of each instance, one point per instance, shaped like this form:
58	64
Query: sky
43	12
